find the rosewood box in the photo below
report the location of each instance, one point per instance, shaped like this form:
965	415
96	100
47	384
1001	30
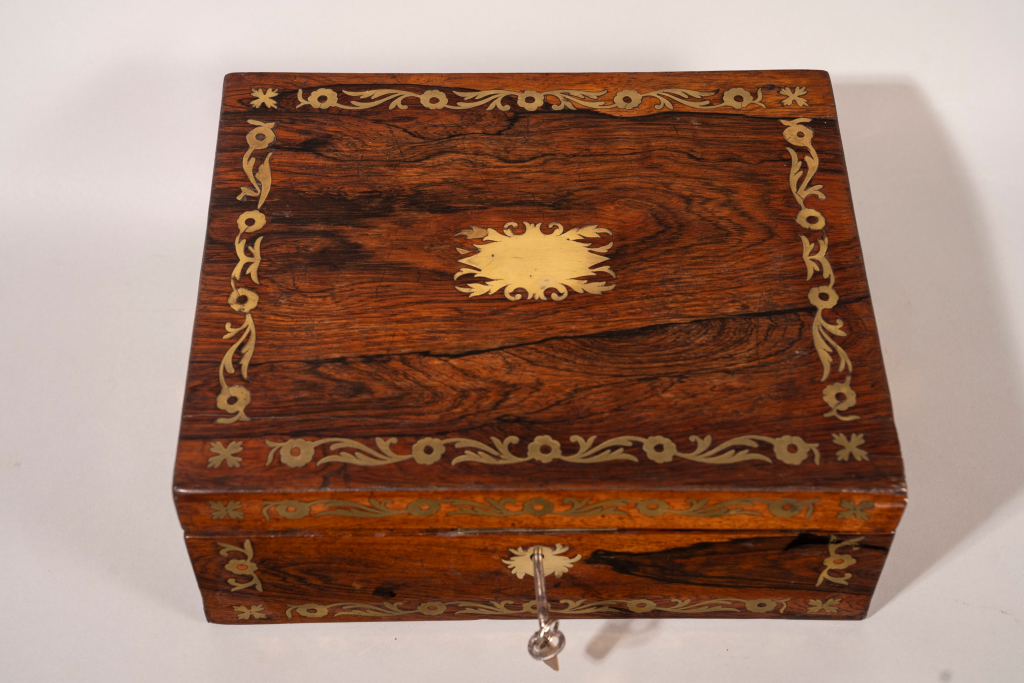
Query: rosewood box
445	319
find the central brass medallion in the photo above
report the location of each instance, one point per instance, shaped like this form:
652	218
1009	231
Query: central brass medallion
534	261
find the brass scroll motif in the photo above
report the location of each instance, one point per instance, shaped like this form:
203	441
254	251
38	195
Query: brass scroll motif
530	100
555	560
839	396
783	508
494	608
791	450
234	398
534	261
244	567
837	561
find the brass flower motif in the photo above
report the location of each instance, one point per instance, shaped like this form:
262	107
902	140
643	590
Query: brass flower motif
434	99
788	507
538	507
225	455
850	445
424	507
737	98
428	451
660	449
530	100
838	561
431	609
241	567
263	98
793	96
652	507
793	450
261	137
258	219
312	611
641	606
305	449
249	299
254	611
831	606
761	606
629	99
322	98
544	449
839	397
292	509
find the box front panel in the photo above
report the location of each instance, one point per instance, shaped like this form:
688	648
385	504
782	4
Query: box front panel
296	579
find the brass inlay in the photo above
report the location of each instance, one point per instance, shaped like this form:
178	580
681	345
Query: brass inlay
229	510
791	450
536	507
530	100
836	561
534	261
234	398
839	396
555	560
794	96
850	445
225	455
831	606
244	567
856	510
264	98
495	608
253	611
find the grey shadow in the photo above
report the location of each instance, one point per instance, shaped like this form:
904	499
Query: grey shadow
948	347
619	632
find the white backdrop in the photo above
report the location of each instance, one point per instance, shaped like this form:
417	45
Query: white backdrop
107	131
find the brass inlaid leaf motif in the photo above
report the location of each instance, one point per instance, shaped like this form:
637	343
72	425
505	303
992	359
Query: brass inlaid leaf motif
253	611
225	455
535	261
856	510
794	96
850	445
264	98
229	510
830	606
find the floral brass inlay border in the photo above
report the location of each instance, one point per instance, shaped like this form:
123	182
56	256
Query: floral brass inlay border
534	261
537	507
244	567
830	606
234	398
839	396
494	608
836	561
791	450
232	509
530	100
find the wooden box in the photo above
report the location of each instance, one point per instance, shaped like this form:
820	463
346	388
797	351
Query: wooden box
446	318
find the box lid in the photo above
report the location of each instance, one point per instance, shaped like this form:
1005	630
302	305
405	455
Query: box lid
534	300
